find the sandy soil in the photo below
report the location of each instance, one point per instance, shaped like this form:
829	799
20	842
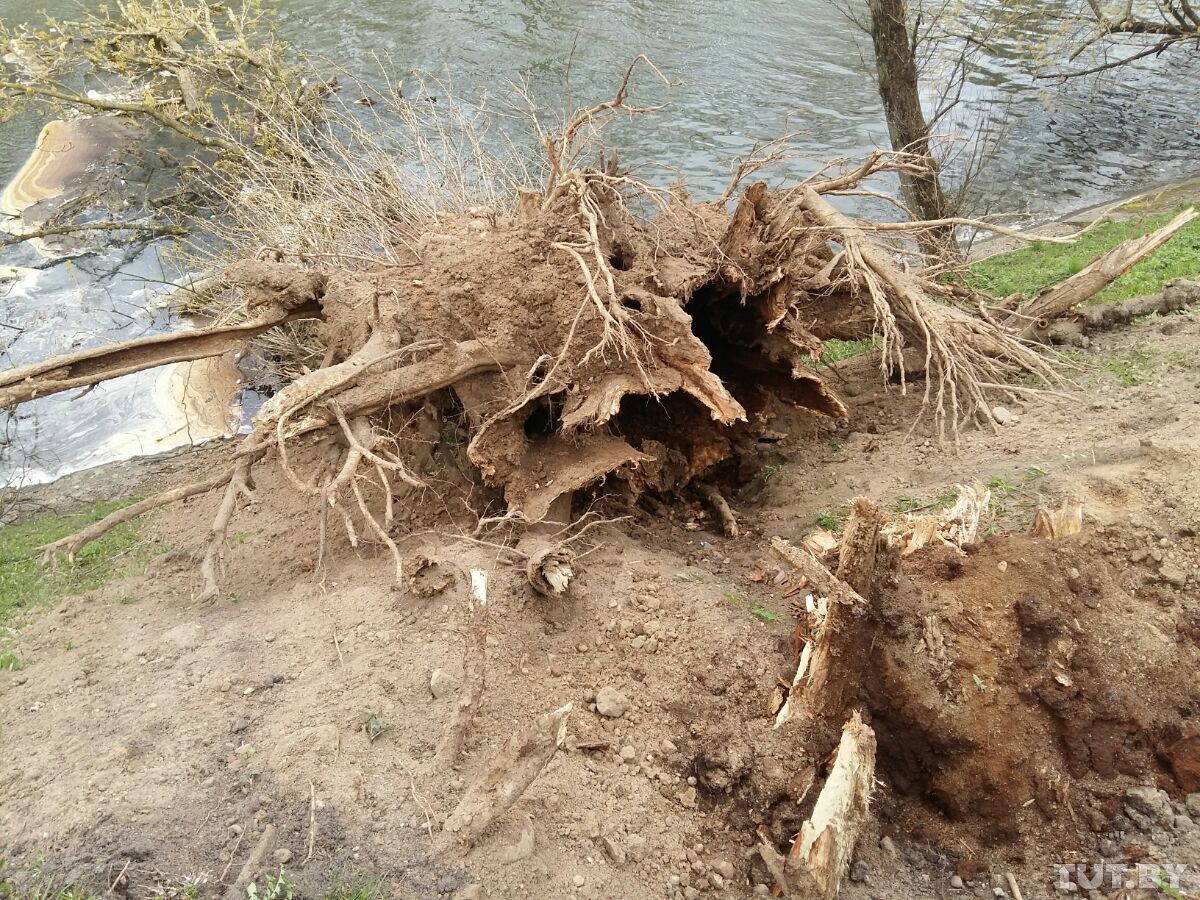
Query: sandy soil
1036	701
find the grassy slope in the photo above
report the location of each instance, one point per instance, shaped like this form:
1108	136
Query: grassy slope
1037	266
25	583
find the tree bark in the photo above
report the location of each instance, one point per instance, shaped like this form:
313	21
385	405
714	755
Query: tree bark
899	87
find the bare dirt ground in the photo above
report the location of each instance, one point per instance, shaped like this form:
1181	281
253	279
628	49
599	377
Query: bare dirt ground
1036	701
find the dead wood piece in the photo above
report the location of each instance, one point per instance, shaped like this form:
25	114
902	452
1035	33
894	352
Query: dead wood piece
90	367
1060	298
550	570
253	865
1176	295
836	614
822	851
504	778
720	506
1058	523
474	667
860	542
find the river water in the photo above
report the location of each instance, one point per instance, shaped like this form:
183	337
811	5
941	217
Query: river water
748	71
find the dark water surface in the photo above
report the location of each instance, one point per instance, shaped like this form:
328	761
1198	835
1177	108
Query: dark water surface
749	70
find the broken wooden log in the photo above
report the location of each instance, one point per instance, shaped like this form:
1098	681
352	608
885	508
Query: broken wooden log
1176	295
822	851
1060	298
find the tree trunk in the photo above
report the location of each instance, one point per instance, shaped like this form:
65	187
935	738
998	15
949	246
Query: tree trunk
896	65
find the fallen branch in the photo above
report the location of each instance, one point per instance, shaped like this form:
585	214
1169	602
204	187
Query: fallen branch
1176	295
90	367
503	779
1059	299
474	666
822	851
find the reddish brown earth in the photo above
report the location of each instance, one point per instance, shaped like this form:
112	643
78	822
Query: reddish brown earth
1019	692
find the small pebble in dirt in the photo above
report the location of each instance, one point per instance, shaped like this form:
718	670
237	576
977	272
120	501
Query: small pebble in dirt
1172	575
888	846
611	703
859	871
578	881
628	754
283	856
668	747
724	868
999	892
613	851
956	882
761	890
1002	565
470	892
1002	415
442	684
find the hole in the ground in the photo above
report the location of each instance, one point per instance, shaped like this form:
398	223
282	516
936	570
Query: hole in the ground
620	259
632	303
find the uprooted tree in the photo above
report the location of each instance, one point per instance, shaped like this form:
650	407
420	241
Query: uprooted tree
591	330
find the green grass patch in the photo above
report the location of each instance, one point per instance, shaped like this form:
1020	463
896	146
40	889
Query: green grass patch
834	350
833	519
1039	265
361	888
26	583
1140	364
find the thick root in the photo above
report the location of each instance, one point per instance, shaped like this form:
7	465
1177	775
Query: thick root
503	779
474	668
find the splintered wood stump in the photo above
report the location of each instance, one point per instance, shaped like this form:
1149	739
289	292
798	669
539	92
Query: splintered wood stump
860	547
827	674
822	851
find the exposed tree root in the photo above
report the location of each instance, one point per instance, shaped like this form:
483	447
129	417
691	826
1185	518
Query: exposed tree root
612	334
89	367
720	506
503	779
253	865
474	668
